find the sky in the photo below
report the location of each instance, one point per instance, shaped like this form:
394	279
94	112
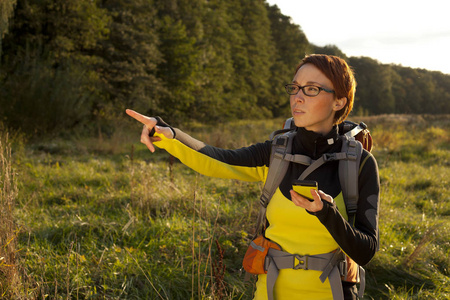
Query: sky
410	33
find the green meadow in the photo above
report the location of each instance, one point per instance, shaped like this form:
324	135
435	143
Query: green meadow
103	218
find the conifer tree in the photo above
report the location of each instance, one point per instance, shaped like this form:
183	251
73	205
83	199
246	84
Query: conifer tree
130	57
6	12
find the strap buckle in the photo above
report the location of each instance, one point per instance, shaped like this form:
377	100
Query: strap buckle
302	262
264	200
329	156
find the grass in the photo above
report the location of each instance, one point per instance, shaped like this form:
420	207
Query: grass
10	284
102	218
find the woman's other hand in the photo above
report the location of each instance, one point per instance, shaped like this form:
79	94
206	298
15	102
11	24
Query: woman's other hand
312	206
149	125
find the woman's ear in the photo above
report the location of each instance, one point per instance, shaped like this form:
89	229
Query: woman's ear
339	103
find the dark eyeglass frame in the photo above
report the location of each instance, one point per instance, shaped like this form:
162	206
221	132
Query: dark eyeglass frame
287	86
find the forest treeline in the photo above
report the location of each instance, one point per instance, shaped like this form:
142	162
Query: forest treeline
82	62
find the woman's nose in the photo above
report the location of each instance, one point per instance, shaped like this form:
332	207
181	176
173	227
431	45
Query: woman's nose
299	97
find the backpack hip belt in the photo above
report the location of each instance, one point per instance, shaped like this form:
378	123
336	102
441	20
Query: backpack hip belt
331	264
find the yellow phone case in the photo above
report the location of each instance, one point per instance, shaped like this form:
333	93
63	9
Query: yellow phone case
304	188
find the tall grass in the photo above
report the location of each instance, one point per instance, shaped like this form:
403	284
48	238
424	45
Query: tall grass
9	275
103	218
413	153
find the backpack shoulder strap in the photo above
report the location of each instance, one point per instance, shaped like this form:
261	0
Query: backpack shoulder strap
281	145
348	174
348	177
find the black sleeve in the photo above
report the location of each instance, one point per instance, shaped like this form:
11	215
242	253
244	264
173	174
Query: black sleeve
361	241
251	156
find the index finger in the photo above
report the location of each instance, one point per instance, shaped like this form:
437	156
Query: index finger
150	122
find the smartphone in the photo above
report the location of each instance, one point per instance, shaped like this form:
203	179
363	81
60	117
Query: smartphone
303	187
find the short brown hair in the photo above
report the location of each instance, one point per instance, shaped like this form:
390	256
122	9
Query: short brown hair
340	74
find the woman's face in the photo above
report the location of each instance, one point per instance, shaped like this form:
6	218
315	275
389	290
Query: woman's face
314	113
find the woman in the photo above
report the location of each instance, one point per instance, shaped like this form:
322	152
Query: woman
321	96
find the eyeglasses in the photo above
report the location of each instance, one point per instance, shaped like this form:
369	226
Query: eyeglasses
308	90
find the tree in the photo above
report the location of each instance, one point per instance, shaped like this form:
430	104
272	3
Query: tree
130	58
374	90
291	45
216	93
74	61
329	50
441	98
6	12
178	69
47	64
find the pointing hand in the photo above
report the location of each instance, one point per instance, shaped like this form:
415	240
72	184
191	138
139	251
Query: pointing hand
149	124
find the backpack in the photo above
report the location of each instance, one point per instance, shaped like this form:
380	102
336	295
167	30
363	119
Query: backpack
355	137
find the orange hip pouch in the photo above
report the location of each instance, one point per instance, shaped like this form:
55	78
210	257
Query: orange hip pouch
255	257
